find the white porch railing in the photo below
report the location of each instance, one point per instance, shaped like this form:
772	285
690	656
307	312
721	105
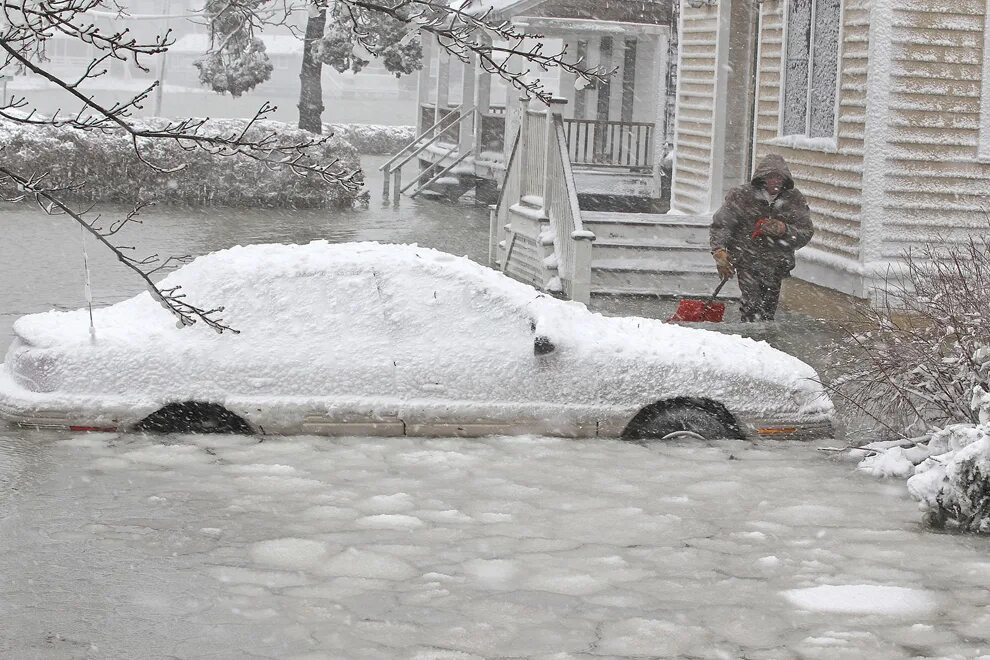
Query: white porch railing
572	242
536	230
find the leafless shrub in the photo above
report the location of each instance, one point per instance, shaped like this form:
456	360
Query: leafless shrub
916	360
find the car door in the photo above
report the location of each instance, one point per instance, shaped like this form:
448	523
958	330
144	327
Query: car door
466	363
334	352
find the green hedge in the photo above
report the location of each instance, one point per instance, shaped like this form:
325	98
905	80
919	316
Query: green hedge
111	172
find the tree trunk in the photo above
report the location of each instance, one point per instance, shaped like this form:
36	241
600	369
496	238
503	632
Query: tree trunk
311	85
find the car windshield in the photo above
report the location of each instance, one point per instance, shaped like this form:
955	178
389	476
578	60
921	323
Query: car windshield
494	328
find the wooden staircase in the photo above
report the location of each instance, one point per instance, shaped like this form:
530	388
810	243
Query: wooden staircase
541	234
647	254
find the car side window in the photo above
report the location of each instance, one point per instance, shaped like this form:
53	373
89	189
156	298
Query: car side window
334	312
452	314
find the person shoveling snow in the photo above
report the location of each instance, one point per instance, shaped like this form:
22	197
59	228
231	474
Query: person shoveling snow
755	234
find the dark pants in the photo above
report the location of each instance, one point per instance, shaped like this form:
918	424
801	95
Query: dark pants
760	293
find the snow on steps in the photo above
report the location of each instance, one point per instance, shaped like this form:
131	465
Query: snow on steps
660	252
633	226
638	278
648	254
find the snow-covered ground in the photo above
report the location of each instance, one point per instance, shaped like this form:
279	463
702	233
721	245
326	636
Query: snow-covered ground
227	547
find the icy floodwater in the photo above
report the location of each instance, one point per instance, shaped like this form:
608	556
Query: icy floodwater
227	547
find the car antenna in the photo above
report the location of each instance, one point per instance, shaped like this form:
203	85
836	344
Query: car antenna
87	286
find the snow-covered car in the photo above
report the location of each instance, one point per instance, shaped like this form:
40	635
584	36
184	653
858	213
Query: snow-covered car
371	339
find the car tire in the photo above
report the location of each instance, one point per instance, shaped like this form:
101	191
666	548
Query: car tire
682	420
193	417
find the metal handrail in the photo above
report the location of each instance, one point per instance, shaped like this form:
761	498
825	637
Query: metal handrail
461	113
441	173
456	122
436	164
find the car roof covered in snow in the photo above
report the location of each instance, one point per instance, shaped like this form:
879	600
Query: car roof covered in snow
221	278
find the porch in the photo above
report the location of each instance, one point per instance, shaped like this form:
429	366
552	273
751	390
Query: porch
617	131
591	143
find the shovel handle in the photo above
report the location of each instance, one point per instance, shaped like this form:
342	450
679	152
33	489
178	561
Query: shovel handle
718	290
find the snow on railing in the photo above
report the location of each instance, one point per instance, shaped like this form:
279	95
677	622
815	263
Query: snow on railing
572	242
533	139
498	239
536	233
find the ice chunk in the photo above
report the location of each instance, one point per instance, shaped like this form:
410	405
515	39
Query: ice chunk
356	562
289	553
389	521
649	637
862	599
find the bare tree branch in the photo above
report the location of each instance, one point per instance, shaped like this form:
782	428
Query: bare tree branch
171	299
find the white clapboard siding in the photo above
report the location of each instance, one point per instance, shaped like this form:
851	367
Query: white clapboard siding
935	186
831	179
695	109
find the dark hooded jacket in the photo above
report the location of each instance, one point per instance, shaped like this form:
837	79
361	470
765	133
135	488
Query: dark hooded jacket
734	223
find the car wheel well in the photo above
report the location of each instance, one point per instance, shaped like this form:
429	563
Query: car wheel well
194	417
639	424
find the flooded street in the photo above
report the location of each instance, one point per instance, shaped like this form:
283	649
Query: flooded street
223	547
133	546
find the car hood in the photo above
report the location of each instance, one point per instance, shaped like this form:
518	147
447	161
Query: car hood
735	370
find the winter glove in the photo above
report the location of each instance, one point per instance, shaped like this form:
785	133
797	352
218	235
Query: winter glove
775	228
723	264
768	227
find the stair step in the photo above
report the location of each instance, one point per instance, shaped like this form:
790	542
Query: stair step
672	264
647	226
658	253
532	201
536	214
616	217
625	277
655	292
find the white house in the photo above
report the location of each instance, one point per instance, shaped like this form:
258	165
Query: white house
881	108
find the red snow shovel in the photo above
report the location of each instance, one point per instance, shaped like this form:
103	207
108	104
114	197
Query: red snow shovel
700	311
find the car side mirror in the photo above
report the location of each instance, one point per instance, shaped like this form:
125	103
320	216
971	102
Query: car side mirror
543	346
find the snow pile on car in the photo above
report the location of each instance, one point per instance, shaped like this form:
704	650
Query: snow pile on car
293	303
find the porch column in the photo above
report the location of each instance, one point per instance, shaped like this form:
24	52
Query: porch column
660	116
605	60
443	79
466	135
567	79
482	104
617	82
719	113
604	103
483	95
581	95
423	84
594	58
